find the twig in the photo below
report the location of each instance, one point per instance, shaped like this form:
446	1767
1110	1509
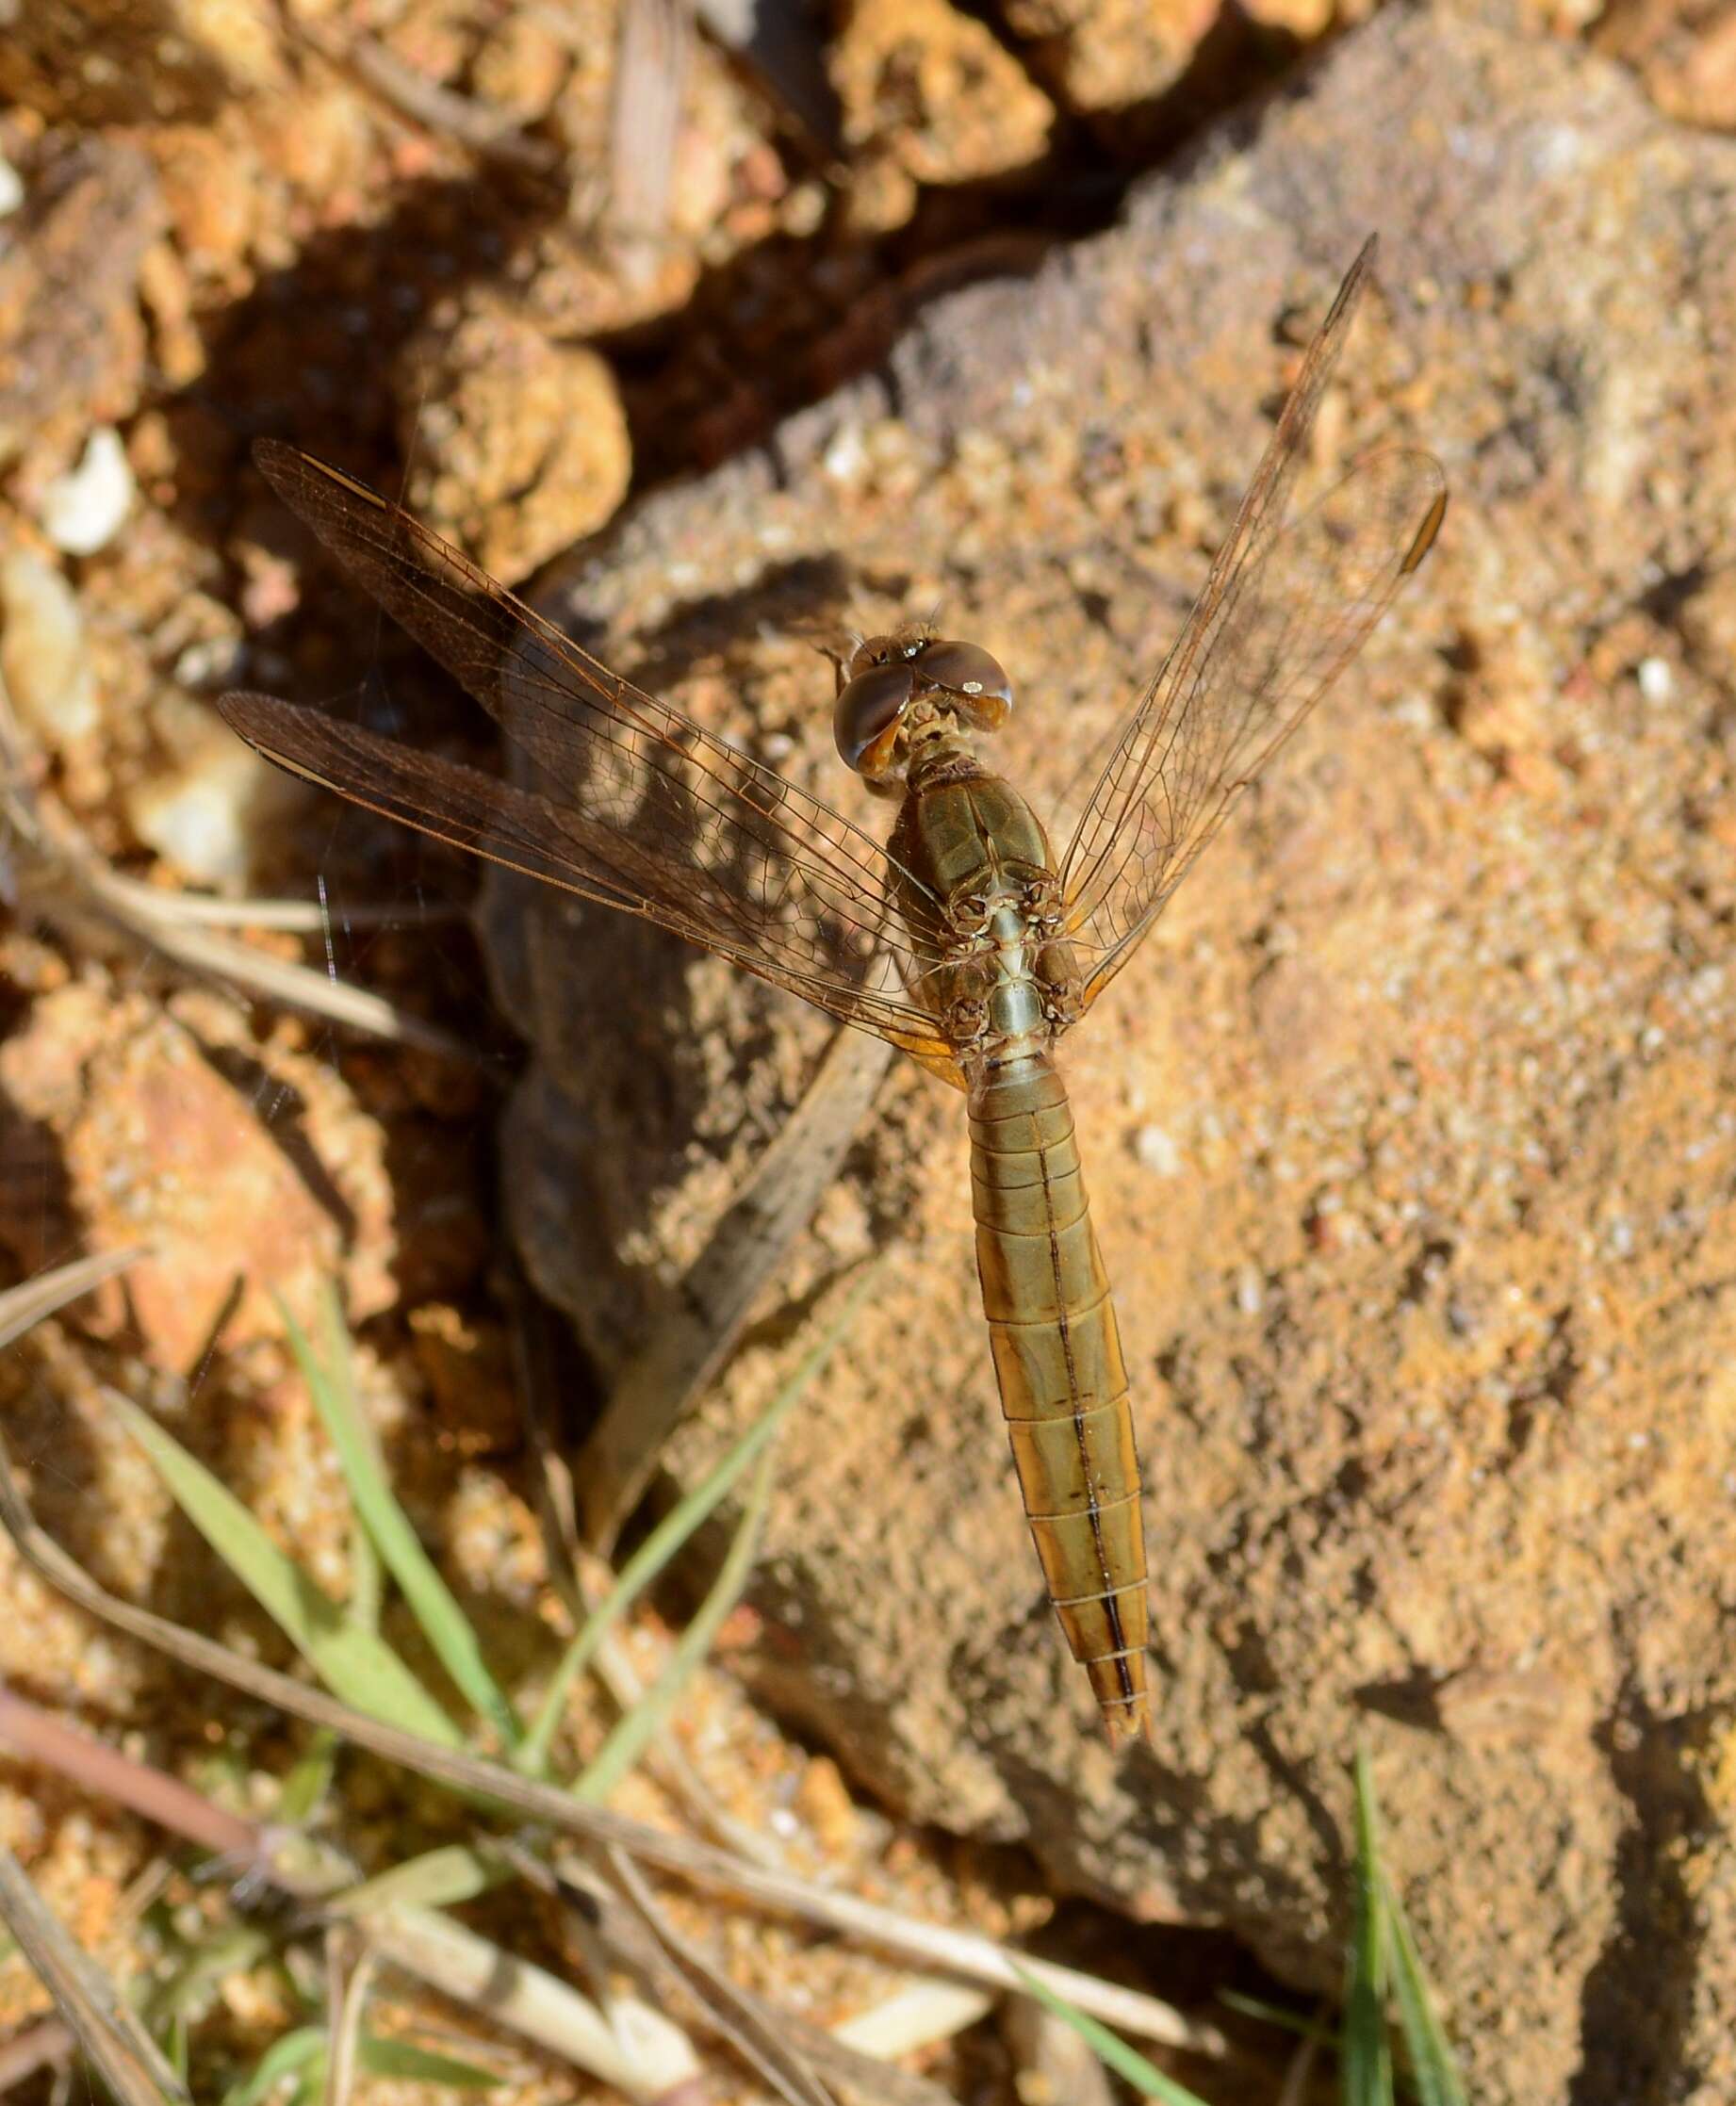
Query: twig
537	1350
759	2044
108	2031
291	917
1302	2064
63	861
109	1774
32	1301
651	66
49	2040
350	1969
919	2014
473	123
632	2047
647	2058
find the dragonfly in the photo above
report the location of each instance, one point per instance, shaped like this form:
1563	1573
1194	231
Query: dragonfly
961	939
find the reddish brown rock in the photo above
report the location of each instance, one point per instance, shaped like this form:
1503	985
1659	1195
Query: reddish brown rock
929	96
147	1128
71	343
1101	58
518	445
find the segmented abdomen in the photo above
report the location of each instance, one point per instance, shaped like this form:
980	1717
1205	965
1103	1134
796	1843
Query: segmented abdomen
1057	1360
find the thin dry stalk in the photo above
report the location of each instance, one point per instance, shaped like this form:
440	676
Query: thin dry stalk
581	1581
1050	2059
109	2032
641	2053
42	1737
49	2040
650	67
72	886
32	1301
349	1965
920	2014
763	2045
1301	2069
472	123
287	917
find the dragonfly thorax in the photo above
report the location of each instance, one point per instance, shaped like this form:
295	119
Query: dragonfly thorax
1004	982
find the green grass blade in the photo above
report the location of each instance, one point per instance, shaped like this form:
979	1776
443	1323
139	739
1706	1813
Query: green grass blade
1110	2048
351	1661
677	1525
443	1625
421	2065
288	2053
310	1779
1433	2073
1295	2022
438	1878
630	1737
1365	2059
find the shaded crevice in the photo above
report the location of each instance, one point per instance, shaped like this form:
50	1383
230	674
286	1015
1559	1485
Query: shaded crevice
1637	2005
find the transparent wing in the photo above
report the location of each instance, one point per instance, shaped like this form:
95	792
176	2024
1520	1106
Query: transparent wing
1282	614
636	806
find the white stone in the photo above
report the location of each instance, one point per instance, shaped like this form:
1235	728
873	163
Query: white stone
1156	1151
83	510
43	655
199	815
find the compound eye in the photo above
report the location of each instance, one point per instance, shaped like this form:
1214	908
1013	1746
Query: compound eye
865	716
968	671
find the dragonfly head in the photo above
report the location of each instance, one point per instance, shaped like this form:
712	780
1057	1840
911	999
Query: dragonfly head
896	690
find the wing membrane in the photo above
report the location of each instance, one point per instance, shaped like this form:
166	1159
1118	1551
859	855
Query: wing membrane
1282	613
635	805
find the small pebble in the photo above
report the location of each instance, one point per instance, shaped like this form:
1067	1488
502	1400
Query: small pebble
213	662
82	511
1657	682
198	815
1156	1151
42	654
12	189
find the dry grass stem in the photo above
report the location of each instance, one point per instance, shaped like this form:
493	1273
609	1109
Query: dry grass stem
109	2032
650	67
287	917
918	2016
763	2045
438	108
634	2049
32	1301
349	1965
105	1771
74	887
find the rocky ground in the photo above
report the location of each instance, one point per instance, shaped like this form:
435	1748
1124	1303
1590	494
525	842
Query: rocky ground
1408	1136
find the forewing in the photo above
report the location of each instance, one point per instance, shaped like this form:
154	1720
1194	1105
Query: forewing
634	804
1283	612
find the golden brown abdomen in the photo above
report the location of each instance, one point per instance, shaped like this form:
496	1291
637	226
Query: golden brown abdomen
1058	1359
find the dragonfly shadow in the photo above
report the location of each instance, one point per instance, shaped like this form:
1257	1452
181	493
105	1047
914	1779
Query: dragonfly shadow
651	1058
